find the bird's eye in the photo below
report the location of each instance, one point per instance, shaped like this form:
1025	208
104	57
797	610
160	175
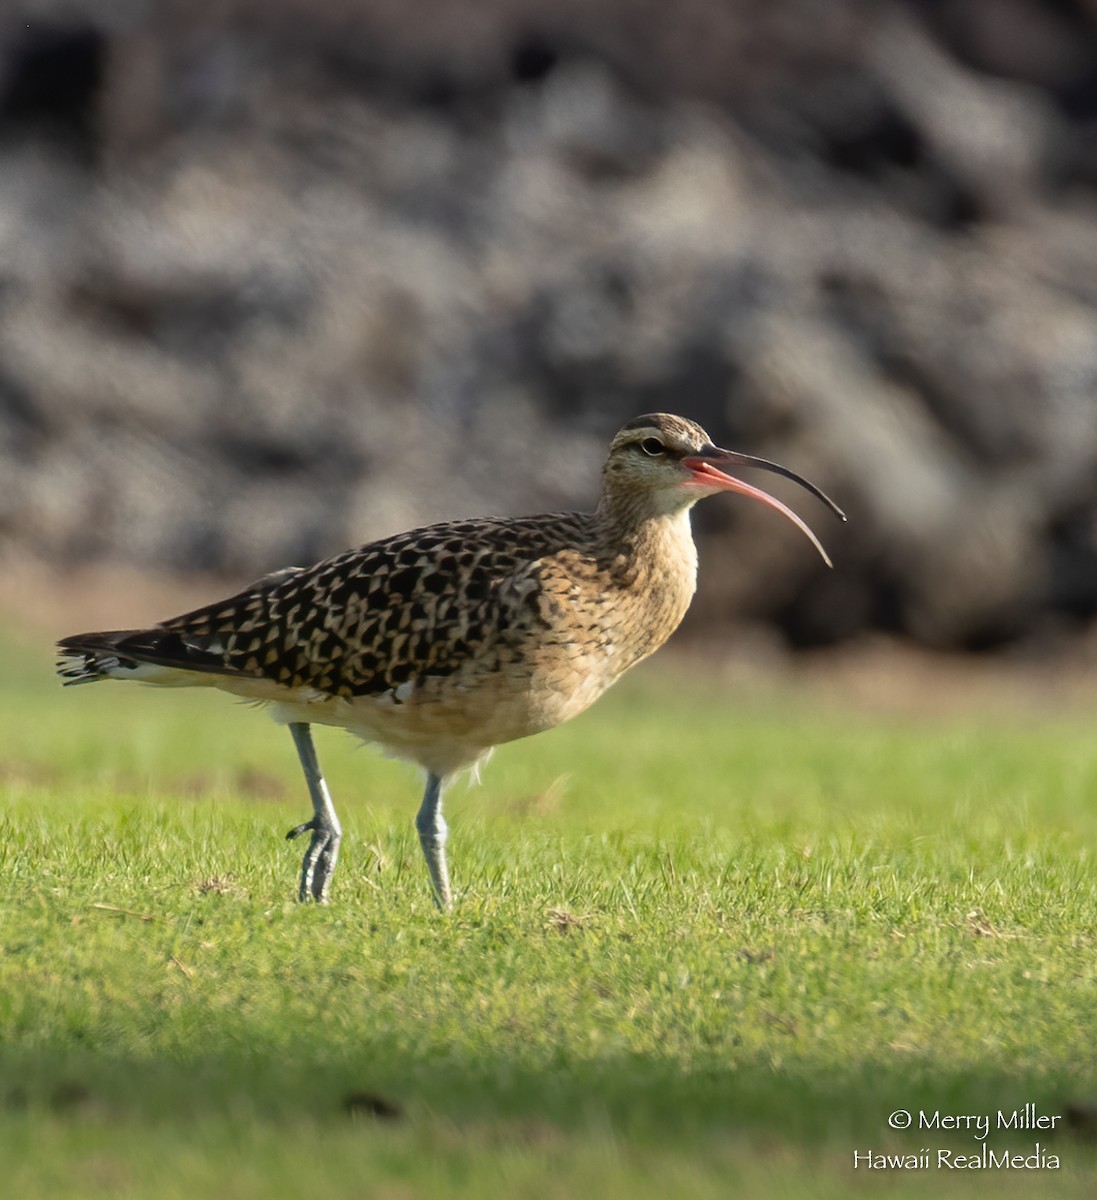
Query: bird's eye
653	446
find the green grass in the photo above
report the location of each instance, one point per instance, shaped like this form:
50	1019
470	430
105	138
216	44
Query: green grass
702	947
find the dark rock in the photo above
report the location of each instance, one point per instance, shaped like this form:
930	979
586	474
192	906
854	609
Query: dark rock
343	267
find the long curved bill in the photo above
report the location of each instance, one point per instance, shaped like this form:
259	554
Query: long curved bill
705	465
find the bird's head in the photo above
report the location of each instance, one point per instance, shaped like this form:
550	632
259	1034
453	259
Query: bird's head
663	463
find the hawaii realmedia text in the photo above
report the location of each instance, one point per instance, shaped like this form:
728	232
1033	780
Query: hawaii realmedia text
950	1160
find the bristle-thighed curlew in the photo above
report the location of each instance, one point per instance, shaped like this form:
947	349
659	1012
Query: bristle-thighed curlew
441	643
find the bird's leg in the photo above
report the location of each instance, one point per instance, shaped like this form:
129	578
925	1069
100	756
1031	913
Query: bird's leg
320	858
432	837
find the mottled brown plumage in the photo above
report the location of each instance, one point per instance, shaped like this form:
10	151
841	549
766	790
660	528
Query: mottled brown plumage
443	642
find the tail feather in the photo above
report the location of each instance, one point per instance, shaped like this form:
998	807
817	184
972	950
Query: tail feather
87	657
197	643
124	653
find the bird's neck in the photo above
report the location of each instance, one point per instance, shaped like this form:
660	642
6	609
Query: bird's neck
651	538
627	516
648	563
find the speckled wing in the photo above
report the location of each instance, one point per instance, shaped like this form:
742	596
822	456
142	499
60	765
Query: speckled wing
366	622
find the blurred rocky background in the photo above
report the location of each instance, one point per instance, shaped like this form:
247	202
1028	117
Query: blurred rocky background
279	276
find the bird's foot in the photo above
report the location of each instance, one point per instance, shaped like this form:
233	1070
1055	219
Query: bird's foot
318	865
